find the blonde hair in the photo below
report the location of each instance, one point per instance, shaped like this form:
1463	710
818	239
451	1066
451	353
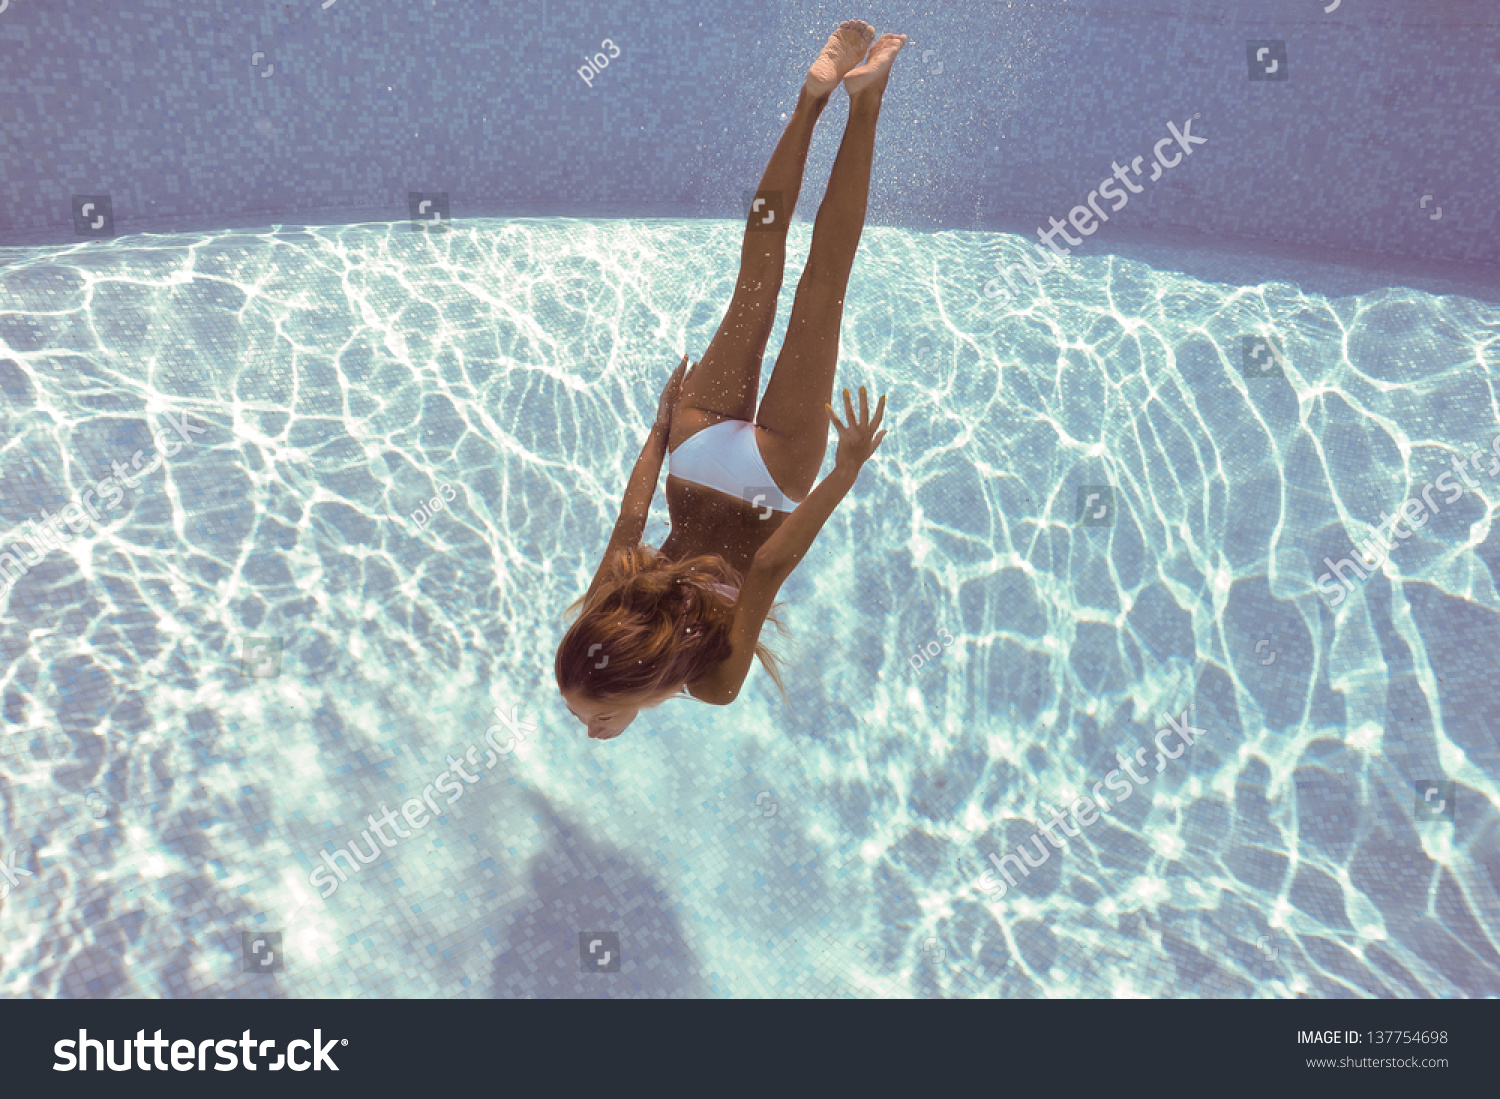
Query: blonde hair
652	625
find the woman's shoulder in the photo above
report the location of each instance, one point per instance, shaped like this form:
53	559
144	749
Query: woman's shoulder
709	688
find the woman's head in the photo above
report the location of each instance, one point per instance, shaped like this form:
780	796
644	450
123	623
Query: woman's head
649	628
607	720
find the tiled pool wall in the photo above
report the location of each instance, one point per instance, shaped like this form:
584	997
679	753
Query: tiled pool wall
1368	127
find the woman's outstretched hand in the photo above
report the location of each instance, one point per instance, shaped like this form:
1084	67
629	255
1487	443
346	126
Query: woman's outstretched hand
858	440
669	397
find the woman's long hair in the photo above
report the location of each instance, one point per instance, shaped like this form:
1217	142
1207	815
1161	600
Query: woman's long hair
652	625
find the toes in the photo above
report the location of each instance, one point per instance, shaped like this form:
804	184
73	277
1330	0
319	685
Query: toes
853	38
859	27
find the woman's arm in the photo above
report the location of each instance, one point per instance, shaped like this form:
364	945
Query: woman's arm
781	553
857	442
635	507
769	568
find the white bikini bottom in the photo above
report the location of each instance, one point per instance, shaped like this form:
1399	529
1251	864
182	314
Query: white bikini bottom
727	457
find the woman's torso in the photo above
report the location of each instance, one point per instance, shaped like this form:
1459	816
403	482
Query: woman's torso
705	520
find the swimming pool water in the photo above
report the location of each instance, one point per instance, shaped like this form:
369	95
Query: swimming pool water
270	638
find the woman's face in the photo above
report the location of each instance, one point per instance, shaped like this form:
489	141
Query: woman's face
605	720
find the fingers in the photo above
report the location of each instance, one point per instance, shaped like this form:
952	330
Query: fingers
864	409
862	430
674	383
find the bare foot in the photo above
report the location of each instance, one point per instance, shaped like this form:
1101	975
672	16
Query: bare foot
846	49
874	73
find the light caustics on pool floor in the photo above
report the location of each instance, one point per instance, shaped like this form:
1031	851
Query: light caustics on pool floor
269	642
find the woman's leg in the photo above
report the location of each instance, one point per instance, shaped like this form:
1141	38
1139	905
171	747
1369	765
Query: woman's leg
792	417
726	380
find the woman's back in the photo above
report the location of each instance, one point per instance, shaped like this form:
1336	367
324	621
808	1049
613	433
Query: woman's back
705	521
